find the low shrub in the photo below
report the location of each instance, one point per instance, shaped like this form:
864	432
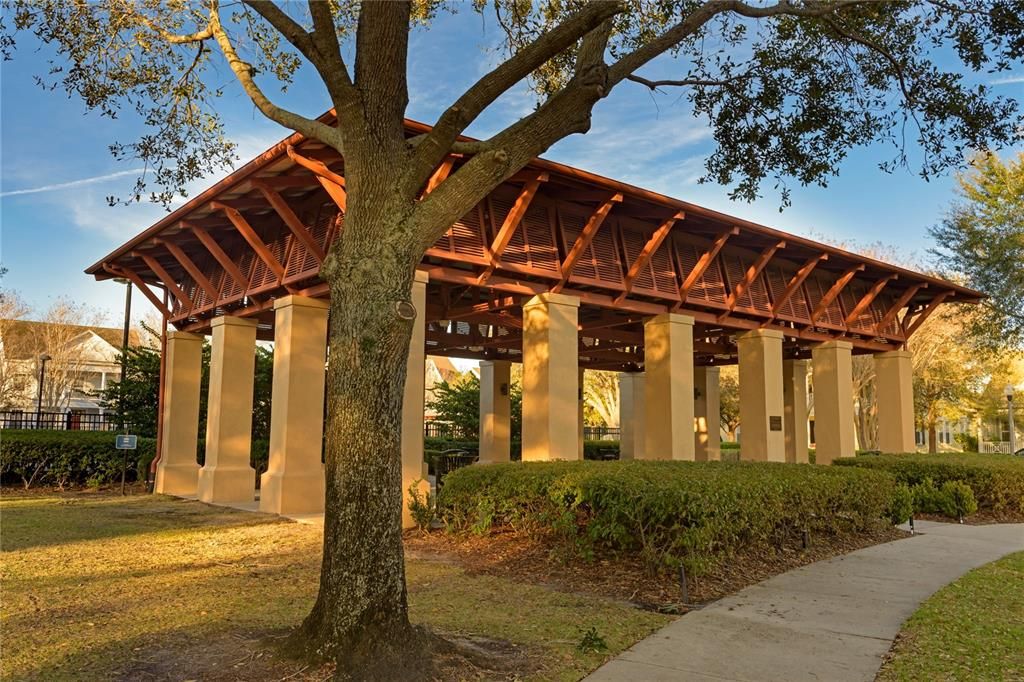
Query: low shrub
63	458
996	481
665	512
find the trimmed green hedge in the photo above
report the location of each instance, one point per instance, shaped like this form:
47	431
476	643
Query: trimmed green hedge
64	458
666	512
997	481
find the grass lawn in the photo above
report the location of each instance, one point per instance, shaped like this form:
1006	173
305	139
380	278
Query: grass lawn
972	629
100	587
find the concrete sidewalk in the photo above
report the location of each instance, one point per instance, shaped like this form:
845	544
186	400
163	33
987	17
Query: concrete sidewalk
833	620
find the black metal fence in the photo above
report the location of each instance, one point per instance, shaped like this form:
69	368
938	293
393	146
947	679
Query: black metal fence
59	421
438	429
601	433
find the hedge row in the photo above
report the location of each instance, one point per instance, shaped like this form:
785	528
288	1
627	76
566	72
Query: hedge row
63	458
667	512
997	481
434	446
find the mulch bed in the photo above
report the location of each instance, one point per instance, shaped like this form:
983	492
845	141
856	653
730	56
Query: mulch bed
512	555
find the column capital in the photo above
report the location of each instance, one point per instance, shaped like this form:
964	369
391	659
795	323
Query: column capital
670	318
834	344
760	334
551	298
900	354
301	302
421	276
798	362
233	321
173	335
714	370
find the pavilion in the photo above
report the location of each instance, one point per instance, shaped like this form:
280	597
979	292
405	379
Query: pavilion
559	269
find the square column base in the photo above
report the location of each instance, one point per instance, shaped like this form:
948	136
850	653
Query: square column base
176	479
296	493
227	484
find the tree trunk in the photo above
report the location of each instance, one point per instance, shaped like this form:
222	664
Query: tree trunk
933	446
360	618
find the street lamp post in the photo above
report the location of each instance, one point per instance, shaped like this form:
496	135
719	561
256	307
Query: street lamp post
1009	405
43	359
124	346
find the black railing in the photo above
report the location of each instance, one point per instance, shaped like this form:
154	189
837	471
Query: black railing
59	421
437	429
601	433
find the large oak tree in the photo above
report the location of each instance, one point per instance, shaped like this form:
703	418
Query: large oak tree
787	87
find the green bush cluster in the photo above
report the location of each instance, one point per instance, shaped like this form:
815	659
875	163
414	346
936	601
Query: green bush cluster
665	512
953	499
63	458
996	481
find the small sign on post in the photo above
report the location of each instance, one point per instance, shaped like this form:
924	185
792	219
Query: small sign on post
124	443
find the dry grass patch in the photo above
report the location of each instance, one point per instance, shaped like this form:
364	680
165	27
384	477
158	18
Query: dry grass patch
99	587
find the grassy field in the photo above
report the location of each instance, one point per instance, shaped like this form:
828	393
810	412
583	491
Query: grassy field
100	587
972	629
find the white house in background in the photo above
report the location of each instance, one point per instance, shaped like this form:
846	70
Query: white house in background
83	360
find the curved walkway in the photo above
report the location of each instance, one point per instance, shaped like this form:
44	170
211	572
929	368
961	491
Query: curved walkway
832	620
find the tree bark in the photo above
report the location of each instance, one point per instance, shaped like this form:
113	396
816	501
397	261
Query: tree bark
932	444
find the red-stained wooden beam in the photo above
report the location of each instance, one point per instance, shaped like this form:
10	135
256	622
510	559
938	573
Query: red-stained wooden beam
245	229
494	305
511	224
192	269
797	280
281	207
165	277
134	278
834	291
703	263
291	181
219	254
647	252
318	168
585	237
751	274
898	305
919	319
439	175
867	298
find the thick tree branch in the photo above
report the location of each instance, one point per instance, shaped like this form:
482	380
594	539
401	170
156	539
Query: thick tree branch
432	148
684	82
382	46
244	73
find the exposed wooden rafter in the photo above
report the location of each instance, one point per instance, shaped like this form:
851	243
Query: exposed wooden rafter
834	291
511	224
703	263
797	280
750	275
191	268
134	278
332	183
897	306
219	254
165	277
652	245
258	245
292	221
919	319
867	298
439	175
586	236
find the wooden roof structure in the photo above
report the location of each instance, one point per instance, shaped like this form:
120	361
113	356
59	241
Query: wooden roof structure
626	252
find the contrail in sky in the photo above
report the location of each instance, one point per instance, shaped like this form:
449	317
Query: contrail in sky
73	183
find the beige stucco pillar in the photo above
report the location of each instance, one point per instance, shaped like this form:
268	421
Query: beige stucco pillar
495	411
894	388
668	387
794	396
413	468
227	475
581	401
833	401
631	415
761	404
177	472
707	414
550	378
294	480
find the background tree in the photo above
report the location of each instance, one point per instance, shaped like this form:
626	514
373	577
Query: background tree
601	398
457	403
788	87
729	407
981	241
13	382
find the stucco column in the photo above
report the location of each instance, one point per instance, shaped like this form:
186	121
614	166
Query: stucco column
177	472
707	414
668	387
227	475
894	390
550	378
631	415
413	467
794	396
581	400
294	480
761	404
495	411
833	401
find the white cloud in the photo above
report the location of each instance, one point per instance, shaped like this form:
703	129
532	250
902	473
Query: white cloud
73	183
1007	80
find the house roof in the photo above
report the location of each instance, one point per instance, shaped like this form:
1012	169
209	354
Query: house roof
26	338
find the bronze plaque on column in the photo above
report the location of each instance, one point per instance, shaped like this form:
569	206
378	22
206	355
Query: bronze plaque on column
775	423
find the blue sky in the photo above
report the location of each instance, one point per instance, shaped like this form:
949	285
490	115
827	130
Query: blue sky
56	170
